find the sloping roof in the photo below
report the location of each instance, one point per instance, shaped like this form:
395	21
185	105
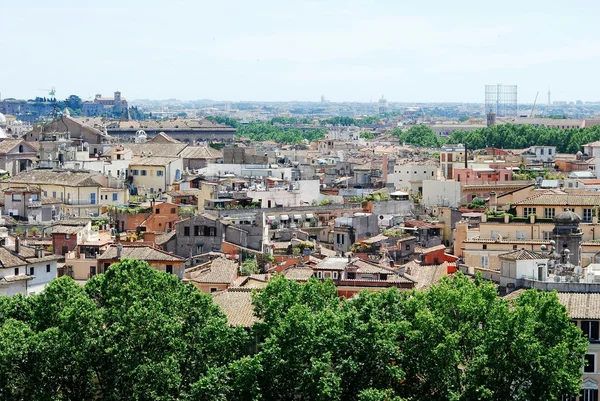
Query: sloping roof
143	252
332	263
425	275
164	238
521	254
426	251
9	259
375	239
236	304
28	253
370	268
298	273
161	137
419	224
218	271
64	229
156	149
581	305
70	178
7	145
562	199
152	161
201	152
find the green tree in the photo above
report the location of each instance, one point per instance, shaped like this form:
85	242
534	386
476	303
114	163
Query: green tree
131	333
418	135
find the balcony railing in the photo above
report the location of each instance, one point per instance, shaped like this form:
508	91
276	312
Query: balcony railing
34	204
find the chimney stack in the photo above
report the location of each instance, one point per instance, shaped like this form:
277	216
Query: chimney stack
385	168
119	250
17	245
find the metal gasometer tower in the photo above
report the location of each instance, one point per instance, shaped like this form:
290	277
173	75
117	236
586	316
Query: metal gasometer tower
501	100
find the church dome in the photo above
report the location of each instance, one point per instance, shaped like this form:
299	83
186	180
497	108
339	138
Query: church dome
567	217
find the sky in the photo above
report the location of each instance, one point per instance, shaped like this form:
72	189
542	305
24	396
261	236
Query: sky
262	50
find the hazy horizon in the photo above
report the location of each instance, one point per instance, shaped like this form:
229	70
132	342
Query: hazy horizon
349	51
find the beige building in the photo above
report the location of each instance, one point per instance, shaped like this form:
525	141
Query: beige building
155	174
78	190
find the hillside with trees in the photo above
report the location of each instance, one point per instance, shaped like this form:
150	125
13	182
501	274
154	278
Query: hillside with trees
134	333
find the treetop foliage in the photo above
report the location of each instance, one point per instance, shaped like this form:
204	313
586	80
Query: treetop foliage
136	333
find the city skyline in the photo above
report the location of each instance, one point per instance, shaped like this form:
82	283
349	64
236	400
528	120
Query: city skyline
267	51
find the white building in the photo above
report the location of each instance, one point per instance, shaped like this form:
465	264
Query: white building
25	270
410	177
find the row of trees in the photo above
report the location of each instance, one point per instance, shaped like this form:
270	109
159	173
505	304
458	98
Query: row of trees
419	135
265	131
521	136
135	333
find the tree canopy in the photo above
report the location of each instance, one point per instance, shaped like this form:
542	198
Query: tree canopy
265	131
419	135
135	333
510	136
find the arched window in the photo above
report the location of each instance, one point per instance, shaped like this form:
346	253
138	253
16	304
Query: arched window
20	148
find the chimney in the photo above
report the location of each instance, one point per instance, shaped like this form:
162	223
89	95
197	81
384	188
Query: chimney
493	201
17	245
385	168
39	252
119	250
466	156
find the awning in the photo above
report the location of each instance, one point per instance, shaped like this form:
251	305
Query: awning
297	217
284	217
309	216
271	218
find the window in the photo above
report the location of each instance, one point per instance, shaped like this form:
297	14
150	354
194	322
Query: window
335	275
549	212
134	172
173	210
485	261
143	172
528	211
320	274
484	246
115	197
47	268
186	231
32	271
589	395
407	247
549	151
514	247
587	215
92	198
157	211
521	235
159	173
569	209
213	289
541	151
590	363
547	235
16	271
170	269
16	197
20	148
196	231
590	329
54	194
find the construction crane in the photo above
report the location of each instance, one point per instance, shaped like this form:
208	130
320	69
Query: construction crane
534	102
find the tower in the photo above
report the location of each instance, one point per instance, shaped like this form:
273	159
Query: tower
567	235
491	118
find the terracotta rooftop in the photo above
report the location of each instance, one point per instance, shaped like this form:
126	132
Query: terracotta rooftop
70	178
521	254
217	271
236	304
581	305
298	273
143	252
562	199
